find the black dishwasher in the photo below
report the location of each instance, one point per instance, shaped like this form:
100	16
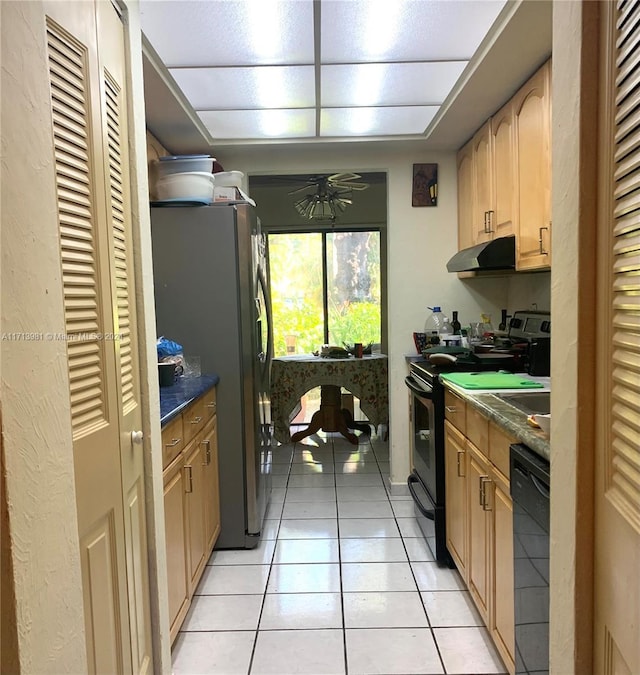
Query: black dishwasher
530	496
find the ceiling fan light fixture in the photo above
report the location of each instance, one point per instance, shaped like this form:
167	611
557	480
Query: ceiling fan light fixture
331	196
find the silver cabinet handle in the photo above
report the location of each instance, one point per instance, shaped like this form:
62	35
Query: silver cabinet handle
451	408
196	420
484	229
484	480
489	230
211	405
207	443
188	478
541	230
460	474
174	442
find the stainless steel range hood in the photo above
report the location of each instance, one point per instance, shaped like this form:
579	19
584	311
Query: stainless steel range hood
497	254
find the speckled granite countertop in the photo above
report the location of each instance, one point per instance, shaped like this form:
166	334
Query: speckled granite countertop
174	399
512	420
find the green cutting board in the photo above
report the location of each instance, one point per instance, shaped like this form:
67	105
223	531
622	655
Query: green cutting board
490	381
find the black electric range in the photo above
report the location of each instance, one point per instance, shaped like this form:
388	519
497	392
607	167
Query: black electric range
427	480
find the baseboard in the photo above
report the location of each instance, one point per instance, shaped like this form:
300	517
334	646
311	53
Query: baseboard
397	489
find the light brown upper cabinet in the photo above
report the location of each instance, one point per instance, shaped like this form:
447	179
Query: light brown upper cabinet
465	196
532	112
501	217
504	176
486	182
482	183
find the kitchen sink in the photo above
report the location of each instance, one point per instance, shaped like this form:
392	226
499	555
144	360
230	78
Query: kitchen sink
532	403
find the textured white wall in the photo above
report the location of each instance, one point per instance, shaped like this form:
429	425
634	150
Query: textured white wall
420	241
35	386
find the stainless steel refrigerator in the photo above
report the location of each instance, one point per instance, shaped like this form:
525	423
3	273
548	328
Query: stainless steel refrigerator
212	297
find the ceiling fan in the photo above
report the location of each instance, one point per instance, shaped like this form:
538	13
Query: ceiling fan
327	195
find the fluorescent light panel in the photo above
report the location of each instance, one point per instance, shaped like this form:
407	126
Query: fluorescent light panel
256	124
237	88
404	30
371	84
229	32
375	121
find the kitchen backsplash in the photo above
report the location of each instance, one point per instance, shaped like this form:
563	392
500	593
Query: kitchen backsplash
527	290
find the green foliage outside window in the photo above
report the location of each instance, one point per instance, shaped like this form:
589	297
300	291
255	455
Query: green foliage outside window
295	262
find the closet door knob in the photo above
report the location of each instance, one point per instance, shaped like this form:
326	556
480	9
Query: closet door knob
137	437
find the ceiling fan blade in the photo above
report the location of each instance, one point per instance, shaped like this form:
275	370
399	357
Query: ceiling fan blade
342	177
350	186
308	186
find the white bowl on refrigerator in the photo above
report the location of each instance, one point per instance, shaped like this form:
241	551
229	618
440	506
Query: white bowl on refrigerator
229	179
187	185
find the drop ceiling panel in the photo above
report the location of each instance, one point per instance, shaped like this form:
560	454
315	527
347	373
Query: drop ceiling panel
237	88
372	84
405	30
392	121
256	124
382	67
228	32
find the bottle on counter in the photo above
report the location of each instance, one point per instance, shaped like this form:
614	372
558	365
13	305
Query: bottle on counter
487	327
455	324
446	329
503	321
433	325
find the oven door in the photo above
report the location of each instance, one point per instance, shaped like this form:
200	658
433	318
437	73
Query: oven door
423	432
424	483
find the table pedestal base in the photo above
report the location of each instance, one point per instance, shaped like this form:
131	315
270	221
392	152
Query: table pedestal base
331	417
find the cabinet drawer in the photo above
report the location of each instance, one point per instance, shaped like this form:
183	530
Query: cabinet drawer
173	441
478	430
499	443
455	410
209	402
193	419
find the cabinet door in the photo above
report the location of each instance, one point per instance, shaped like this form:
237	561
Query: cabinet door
465	196
456	496
175	536
482	183
502	608
211	485
479	528
533	171
501	219
194	477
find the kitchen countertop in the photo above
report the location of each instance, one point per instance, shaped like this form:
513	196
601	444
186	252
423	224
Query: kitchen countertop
512	420
174	399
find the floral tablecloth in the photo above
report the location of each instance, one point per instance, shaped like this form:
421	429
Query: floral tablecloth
293	376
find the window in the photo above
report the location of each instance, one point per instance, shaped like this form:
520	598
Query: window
325	288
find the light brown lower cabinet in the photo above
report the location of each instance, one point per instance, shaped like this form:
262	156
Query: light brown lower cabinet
456	496
479	526
479	517
191	502
175	523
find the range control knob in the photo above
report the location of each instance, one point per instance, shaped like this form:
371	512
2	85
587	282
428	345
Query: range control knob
545	326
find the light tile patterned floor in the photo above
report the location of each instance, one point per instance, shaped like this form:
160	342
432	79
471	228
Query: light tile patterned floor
343	582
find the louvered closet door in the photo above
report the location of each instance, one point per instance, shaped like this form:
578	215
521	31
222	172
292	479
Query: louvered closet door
92	206
617	540
118	209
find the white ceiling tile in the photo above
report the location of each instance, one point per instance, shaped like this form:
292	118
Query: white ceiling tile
260	124
371	84
229	32
237	88
392	121
362	31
